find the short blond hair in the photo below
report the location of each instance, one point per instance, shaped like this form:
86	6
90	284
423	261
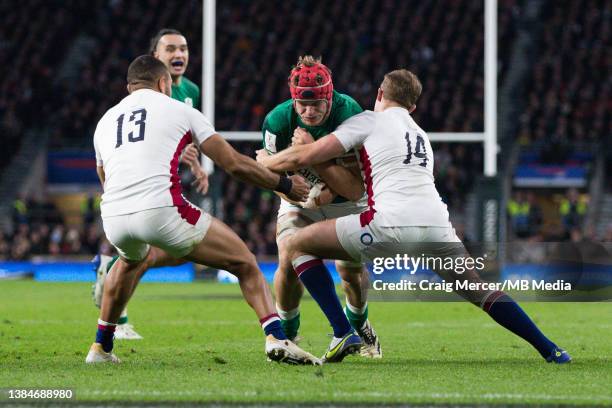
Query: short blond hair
402	86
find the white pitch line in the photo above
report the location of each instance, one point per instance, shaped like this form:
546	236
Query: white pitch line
352	394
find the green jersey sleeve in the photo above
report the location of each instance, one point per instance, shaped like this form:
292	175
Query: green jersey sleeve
187	92
275	129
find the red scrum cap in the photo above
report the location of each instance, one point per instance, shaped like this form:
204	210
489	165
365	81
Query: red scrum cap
311	80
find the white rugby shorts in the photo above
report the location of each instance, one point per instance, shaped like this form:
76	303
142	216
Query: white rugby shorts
300	217
292	217
372	240
176	230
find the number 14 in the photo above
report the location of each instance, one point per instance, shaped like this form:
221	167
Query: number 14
419	152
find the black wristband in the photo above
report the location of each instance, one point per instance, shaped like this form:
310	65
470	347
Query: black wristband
284	185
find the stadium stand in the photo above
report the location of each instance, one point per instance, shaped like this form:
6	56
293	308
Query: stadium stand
30	37
568	104
565	120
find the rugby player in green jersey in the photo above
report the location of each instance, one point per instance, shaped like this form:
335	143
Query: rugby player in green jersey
337	190
170	47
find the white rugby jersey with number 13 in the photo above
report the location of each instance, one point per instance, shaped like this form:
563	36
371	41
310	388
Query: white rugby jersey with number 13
138	143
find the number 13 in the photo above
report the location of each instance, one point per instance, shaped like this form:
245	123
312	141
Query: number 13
141	127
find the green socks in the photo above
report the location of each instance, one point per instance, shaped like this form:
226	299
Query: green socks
291	326
290	321
356	316
123	319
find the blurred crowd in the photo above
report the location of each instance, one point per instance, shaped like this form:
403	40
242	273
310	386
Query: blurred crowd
39	228
568	105
442	42
32	45
544	229
535	217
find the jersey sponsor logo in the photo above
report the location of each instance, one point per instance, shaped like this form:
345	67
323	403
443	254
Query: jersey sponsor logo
270	141
310	176
189	102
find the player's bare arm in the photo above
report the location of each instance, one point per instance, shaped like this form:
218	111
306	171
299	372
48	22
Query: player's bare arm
339	179
248	170
259	155
298	156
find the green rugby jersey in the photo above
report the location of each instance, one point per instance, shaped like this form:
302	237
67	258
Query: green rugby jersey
280	123
187	92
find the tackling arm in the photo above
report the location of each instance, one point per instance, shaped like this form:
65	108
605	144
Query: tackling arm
248	170
296	157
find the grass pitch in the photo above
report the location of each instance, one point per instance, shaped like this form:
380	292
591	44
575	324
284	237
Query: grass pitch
203	344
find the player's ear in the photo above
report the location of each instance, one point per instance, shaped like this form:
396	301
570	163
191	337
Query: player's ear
411	109
165	85
128	88
161	84
379	95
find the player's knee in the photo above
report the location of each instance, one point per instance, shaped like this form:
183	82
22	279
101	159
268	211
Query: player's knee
243	265
349	272
291	249
285	271
285	256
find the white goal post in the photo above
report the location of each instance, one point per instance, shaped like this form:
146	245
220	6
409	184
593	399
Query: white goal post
488	137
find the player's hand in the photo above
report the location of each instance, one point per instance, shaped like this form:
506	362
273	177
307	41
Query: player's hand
319	196
201	180
299	188
261	155
191	156
301	136
326	197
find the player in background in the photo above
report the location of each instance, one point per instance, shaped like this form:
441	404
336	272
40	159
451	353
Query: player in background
170	47
137	144
317	108
405	210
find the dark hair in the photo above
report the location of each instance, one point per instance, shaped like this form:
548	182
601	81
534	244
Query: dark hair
402	86
146	70
159	35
